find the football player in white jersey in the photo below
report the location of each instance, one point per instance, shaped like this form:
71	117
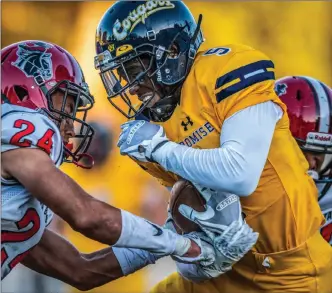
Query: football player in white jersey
309	107
43	95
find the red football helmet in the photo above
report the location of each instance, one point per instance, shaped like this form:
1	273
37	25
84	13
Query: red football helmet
31	71
309	107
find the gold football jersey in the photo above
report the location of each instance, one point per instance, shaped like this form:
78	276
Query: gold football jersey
223	81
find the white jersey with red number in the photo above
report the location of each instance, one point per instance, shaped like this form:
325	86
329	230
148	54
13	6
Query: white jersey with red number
325	203
23	217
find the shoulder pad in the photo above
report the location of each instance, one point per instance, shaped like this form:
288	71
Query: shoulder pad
27	128
230	69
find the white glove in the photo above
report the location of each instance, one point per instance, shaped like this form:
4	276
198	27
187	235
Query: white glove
197	273
191	271
222	222
208	253
227	255
139	139
207	256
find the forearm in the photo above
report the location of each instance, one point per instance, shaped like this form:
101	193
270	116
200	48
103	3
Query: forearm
219	168
106	224
87	215
122	229
98	268
109	225
56	257
235	166
129	260
132	260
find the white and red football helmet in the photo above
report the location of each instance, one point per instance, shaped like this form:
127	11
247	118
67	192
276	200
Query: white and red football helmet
309	107
31	71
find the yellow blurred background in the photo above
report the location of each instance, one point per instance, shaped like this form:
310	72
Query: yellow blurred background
296	35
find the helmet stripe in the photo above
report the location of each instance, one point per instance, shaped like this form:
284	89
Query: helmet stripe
328	93
324	107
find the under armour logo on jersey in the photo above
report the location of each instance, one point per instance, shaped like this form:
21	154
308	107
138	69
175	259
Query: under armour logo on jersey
33	60
280	89
266	262
185	124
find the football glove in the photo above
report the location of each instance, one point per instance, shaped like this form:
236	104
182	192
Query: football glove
222	222
197	273
207	256
139	139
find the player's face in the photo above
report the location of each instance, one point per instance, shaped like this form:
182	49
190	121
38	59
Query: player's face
315	161
144	90
67	124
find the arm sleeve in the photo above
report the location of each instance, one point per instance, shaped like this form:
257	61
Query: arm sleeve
237	165
131	260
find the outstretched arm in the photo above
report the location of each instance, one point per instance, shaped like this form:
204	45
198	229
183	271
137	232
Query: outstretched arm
95	219
54	256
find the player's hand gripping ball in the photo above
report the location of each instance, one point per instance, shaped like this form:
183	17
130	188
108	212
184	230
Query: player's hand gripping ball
184	192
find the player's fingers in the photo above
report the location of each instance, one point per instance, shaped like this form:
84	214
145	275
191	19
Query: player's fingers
189	213
244	232
121	139
124	127
202	216
209	234
131	150
236	233
127	124
205	192
254	237
122	150
231	231
169	225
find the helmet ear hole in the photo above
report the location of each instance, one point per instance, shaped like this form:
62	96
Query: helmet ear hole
298	96
20	92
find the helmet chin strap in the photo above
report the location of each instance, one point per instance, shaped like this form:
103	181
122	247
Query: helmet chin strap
77	160
89	161
192	52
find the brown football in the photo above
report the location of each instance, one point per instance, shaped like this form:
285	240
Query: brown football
184	192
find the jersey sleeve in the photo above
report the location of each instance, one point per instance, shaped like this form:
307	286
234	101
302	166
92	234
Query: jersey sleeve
240	78
31	130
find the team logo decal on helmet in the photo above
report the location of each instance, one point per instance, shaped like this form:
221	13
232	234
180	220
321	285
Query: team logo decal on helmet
34	62
280	89
121	29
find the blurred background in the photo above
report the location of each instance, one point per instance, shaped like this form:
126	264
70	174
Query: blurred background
297	36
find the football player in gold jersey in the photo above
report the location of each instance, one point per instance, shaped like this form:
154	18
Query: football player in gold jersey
212	117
